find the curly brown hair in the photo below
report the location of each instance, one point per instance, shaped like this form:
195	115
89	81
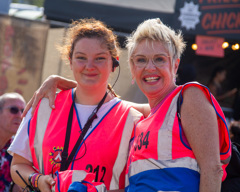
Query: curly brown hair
89	28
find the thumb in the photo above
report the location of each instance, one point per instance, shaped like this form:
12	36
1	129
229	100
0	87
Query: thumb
51	181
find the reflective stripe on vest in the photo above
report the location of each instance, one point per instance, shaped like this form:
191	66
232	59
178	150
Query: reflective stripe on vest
164	148
106	156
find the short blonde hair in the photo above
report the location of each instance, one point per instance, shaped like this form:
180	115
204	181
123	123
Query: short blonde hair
155	30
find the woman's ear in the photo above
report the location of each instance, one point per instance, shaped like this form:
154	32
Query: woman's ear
133	70
70	62
176	65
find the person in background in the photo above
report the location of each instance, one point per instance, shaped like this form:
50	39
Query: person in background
86	137
183	144
217	78
11	108
234	129
232	182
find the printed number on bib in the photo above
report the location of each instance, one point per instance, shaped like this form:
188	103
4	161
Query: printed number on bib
90	168
142	140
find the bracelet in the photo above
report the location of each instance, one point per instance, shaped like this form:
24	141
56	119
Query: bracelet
30	178
33	179
38	179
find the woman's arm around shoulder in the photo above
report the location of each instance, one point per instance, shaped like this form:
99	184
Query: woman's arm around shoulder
48	89
143	108
200	126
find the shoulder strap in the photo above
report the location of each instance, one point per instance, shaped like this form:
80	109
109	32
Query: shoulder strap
67	138
179	103
67	161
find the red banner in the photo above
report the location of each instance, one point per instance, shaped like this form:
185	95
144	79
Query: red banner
209	46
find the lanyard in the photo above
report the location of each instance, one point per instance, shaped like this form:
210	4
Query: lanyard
66	160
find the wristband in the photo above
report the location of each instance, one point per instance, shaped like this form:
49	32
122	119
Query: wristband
33	180
36	181
30	178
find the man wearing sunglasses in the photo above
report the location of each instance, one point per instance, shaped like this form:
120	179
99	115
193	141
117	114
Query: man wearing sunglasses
11	108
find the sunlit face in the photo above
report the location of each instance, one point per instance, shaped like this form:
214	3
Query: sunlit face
9	122
91	63
151	67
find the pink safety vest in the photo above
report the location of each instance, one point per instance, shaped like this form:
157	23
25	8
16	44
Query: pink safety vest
104	151
160	158
78	181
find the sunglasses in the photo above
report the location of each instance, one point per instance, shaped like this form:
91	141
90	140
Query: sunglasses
14	110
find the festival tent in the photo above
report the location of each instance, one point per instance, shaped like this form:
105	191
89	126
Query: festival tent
209	22
121	15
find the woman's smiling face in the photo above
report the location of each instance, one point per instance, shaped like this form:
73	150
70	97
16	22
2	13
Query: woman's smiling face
91	63
151	67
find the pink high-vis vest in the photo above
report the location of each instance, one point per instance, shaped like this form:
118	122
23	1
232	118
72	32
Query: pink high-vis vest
160	158
104	151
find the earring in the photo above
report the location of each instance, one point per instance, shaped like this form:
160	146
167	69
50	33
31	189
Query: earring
132	81
175	80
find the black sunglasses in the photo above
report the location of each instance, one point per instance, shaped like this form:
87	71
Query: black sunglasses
14	110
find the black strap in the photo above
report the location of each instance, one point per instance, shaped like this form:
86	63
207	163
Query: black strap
179	103
67	138
66	161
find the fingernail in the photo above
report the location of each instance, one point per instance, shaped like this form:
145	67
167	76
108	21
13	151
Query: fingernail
53	106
